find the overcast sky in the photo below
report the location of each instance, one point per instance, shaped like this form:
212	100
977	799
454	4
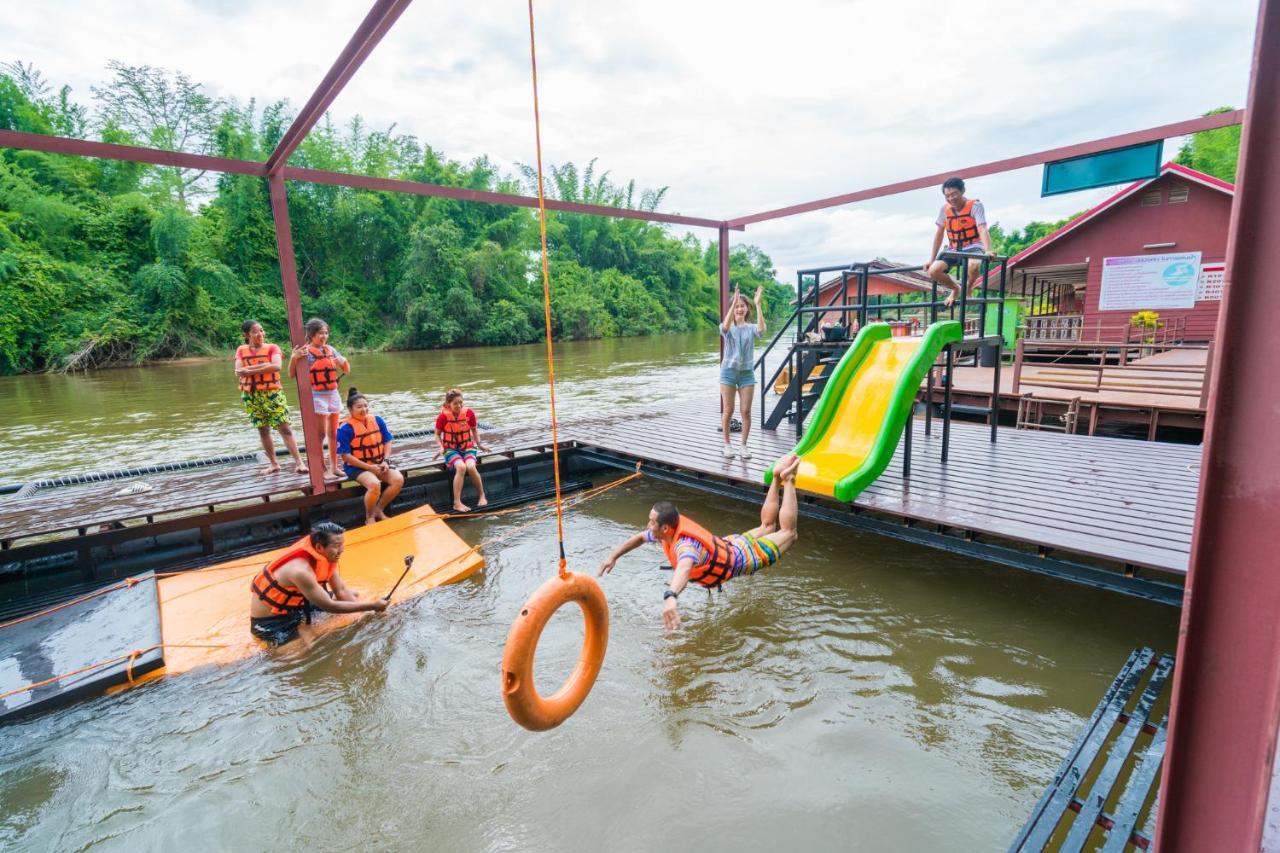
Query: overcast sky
736	107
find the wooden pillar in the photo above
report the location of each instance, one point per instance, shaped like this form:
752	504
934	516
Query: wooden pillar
1225	709
293	307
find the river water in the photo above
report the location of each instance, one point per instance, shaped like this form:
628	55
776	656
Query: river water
864	695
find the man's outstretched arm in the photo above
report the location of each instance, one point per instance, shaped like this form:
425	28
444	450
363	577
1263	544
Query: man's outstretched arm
625	548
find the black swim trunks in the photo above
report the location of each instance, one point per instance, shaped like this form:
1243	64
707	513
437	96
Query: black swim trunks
277	630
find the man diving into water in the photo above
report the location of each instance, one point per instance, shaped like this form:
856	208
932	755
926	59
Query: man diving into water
708	560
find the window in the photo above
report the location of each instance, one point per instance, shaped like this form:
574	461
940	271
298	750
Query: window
1151	198
1178	193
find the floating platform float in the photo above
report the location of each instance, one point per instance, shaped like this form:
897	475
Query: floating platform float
155	625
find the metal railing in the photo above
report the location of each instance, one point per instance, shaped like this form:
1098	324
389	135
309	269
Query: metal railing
969	306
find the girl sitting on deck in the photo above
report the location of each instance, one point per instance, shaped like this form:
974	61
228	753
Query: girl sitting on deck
737	367
324	364
459	438
258	369
365	444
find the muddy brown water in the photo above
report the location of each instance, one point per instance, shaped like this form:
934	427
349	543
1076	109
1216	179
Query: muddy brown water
865	694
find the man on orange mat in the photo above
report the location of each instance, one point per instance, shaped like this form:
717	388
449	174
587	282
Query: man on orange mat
708	560
304	577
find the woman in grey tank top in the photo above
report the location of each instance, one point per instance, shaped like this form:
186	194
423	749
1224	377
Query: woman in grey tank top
737	366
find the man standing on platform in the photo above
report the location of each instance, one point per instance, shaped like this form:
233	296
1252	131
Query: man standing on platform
964	222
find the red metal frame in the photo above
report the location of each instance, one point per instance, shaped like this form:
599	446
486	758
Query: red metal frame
293	308
1226	700
1226	693
375	25
1164	131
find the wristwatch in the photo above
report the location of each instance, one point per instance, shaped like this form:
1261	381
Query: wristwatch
669	593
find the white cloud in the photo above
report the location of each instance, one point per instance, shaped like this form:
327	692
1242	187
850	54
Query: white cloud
736	107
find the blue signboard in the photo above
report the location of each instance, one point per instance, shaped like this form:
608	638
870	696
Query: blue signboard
1117	166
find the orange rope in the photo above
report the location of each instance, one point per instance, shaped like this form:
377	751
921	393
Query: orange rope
131	657
546	293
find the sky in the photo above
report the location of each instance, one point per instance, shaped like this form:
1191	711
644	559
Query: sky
736	108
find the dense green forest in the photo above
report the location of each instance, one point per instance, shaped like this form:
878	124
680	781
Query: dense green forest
104	262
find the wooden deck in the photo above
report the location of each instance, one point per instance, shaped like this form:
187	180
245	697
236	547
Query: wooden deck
1112	500
88	506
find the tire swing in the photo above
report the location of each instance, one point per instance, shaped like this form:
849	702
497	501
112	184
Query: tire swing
519	693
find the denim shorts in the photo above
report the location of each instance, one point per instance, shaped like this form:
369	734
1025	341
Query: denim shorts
743	378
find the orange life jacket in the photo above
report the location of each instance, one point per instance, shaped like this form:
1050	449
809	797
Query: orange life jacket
283	599
717	569
457	433
324	370
367	444
251	382
962	227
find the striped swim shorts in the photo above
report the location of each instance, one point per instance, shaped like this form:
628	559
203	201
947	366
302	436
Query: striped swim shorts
752	554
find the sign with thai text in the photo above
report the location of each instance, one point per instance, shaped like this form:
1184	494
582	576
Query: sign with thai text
1209	286
1140	282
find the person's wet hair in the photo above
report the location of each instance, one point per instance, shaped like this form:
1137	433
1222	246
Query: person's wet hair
451	395
668	515
246	327
323	533
314	325
953	183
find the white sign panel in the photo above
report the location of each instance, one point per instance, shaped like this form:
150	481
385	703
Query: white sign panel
1140	282
1209	287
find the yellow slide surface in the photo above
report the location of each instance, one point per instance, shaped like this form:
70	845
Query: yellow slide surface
845	445
210	607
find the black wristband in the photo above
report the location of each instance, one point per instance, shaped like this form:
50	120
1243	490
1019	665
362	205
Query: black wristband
669	593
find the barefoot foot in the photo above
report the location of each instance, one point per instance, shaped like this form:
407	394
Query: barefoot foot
461	507
483	501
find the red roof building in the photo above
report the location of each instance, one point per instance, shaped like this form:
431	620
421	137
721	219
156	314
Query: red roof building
1179	211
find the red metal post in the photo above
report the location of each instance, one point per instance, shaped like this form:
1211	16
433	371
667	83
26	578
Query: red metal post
293	307
724	281
1166	131
1226	691
375	25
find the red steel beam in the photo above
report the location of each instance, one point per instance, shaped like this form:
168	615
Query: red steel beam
293	309
1225	708
131	153
375	25
363	182
160	157
1164	131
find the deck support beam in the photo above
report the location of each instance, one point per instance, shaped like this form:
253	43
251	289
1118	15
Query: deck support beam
1225	708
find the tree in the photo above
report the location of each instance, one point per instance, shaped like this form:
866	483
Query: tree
162	109
1213	152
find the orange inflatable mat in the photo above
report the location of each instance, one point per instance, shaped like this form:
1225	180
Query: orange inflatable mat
204	615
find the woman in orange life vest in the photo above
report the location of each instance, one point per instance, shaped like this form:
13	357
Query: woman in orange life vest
964	222
458	438
703	558
306	576
258	371
325	364
365	444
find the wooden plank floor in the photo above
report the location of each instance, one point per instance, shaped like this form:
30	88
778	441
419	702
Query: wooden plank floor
1115	499
68	508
